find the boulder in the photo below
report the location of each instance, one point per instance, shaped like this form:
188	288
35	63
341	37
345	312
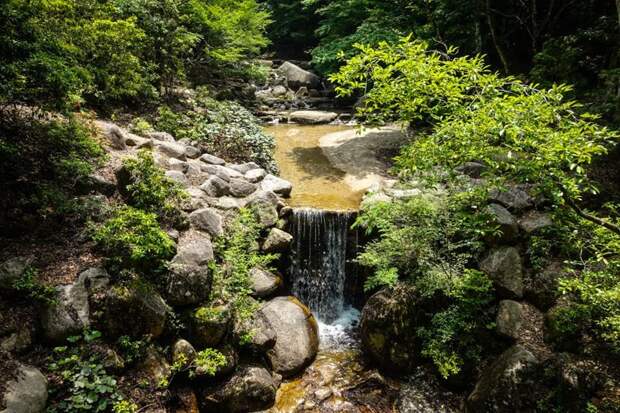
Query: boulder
240	188
312	117
255	333
250	389
71	312
207	219
27	392
178	177
134	310
212	160
264	205
215	187
245	167
192	152
297	340
277	241
541	286
507	223
503	266
137	141
226	203
194	249
513	198
509	319
504	386
471	169
264	283
296	77
222	171
113	133
182	350
188	284
98	183
172	149
534	221
11	271
154	366
255	175
277	185
209	325
278	91
160	136
388	328
177	165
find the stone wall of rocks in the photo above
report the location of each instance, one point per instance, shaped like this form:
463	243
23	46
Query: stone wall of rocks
285	335
525	298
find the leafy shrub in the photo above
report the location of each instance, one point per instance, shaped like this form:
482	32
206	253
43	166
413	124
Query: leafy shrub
150	189
132	350
134	240
141	126
238	253
451	340
423	240
42	163
82	383
209	360
224	129
29	285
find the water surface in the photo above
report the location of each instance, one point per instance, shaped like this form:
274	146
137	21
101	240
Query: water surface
316	183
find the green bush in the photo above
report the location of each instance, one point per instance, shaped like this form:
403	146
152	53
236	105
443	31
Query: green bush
150	189
133	240
224	129
43	163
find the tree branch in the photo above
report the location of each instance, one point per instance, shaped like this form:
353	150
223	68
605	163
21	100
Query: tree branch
591	218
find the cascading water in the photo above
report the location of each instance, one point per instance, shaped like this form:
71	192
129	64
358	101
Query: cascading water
319	263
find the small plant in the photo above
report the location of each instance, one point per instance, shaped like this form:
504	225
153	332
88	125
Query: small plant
82	384
150	189
134	240
141	126
29	285
238	253
125	406
209	361
132	350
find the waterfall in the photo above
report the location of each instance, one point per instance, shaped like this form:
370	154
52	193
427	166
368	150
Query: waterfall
319	262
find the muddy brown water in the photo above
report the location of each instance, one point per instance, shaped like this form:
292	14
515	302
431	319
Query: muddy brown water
316	183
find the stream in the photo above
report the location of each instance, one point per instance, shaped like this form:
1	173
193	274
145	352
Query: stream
322	275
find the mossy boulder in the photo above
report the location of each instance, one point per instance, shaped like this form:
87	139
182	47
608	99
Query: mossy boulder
209	325
388	328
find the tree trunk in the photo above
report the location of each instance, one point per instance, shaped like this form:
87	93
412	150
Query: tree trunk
498	48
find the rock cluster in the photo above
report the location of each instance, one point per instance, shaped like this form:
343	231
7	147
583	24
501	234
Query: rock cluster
284	337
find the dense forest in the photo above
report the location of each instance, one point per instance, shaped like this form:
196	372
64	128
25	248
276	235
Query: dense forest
150	239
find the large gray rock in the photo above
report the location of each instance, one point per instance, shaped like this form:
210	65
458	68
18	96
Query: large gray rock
209	325
388	328
255	175
277	241
70	313
134	310
188	284
160	136
178	177
534	221
245	167
264	205
541	287
27	393
503	266
194	249
504	386
262	336
222	171
178	165
171	149
240	188
297	77
215	187
509	319
297	340
507	223
113	133
212	160
264	283
250	389
207	219
312	117
513	198
12	269
277	185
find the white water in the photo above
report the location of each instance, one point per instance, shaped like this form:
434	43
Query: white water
340	333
